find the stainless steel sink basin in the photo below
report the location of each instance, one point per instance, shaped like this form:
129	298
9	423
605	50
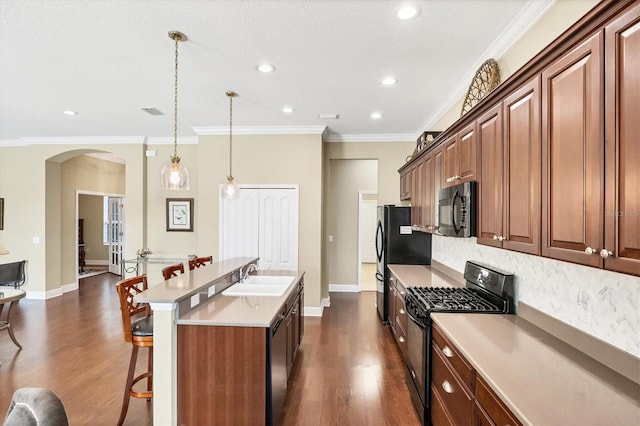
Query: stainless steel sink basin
260	285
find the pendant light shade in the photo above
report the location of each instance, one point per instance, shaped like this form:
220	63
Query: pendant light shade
173	174
230	189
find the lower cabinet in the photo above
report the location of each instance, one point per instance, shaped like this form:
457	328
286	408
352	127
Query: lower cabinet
459	396
238	375
398	313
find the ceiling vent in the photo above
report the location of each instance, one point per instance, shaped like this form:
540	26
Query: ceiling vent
152	111
328	116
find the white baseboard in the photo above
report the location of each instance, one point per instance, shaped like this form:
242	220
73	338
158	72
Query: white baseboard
312	311
96	262
344	288
50	294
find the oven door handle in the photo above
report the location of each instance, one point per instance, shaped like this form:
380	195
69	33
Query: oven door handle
414	320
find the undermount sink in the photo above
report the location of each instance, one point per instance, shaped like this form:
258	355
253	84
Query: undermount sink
260	285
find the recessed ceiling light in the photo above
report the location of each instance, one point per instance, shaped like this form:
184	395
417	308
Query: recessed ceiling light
389	81
287	110
69	112
266	68
376	115
408	12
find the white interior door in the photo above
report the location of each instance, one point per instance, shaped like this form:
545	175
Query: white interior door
116	234
279	229
240	220
262	222
368	217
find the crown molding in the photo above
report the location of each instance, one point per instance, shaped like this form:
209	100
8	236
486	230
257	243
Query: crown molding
528	16
260	130
188	140
390	137
76	140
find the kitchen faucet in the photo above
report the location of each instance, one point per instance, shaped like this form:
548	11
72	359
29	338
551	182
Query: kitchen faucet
251	267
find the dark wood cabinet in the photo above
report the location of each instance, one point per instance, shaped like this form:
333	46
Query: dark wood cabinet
224	373
405	184
418	194
460	157
622	148
509	172
458	394
398	313
572	153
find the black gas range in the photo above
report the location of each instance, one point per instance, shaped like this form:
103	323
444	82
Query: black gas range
488	290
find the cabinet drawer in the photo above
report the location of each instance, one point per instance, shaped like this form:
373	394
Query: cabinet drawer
455	395
439	415
500	415
401	337
442	345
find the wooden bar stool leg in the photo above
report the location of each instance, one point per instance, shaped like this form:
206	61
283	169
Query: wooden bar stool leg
150	369
127	387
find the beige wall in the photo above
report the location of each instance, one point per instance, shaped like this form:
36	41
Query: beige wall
91	210
348	178
265	159
37	207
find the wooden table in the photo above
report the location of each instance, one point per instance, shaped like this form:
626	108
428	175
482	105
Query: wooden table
11	297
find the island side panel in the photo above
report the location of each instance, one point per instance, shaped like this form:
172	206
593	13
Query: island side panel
221	375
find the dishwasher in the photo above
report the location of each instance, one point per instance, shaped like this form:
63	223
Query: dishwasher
276	370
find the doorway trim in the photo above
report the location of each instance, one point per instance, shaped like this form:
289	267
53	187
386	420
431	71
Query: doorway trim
360	201
99	194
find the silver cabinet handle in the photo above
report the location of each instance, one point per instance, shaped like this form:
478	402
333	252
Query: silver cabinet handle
590	251
446	386
452	178
499	238
402	293
401	339
413	374
447	351
604	253
402	311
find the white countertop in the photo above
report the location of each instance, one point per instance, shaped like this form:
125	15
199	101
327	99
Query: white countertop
422	276
542	380
241	311
185	285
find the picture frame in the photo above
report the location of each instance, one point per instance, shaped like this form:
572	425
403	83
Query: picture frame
180	214
1	214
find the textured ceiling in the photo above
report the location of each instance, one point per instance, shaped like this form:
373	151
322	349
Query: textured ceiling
107	59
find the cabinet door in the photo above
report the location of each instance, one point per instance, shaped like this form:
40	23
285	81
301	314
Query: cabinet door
490	177
427	201
622	106
522	164
450	160
572	177
467	154
417	195
438	173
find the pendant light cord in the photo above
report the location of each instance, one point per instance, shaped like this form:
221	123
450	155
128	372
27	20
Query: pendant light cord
175	157
231	95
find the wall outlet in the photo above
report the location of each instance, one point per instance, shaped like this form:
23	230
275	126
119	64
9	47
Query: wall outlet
584	307
211	291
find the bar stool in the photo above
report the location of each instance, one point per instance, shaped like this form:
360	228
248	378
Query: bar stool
199	261
138	331
172	271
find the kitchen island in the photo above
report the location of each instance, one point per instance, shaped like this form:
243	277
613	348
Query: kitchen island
201	334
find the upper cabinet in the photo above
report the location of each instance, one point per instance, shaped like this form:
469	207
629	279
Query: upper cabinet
554	149
509	172
622	147
460	157
572	153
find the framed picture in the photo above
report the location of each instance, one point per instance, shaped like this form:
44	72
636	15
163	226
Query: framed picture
1	214
180	214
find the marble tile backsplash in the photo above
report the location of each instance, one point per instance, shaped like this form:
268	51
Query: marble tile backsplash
603	304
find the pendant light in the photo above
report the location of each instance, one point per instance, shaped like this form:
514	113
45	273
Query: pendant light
175	175
230	189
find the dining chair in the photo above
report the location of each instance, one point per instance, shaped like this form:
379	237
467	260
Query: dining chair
137	327
172	270
199	261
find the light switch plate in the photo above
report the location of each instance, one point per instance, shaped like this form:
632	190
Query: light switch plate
211	291
195	299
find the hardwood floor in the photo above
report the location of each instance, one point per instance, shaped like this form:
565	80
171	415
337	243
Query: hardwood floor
348	372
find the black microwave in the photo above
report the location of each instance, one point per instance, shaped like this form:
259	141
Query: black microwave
457	210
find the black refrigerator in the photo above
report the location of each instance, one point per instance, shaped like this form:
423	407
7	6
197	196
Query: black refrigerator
396	243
